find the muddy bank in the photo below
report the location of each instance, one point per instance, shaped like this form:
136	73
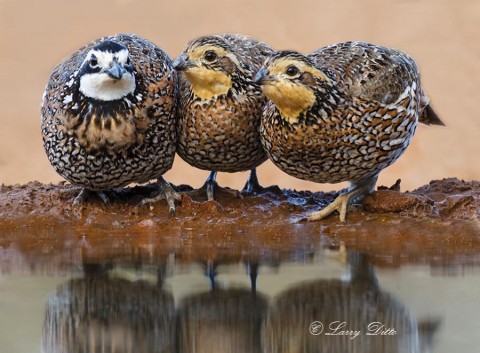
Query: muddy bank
447	199
434	224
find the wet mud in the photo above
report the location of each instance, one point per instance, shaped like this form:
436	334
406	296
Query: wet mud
433	224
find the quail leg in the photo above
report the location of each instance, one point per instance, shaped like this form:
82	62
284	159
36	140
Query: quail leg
211	187
340	204
252	268
252	186
85	194
165	192
211	273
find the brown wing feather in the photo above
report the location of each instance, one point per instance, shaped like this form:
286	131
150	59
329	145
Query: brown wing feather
367	71
372	72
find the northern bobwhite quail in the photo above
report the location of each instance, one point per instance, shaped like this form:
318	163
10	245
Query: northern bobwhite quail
341	113
220	107
108	116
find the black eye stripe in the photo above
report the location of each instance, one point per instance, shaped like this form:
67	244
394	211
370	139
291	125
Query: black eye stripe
92	65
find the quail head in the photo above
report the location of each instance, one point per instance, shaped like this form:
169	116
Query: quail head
220	106
108	116
341	113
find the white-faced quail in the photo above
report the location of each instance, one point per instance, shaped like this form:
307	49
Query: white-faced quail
108	116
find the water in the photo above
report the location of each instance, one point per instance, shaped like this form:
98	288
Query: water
314	299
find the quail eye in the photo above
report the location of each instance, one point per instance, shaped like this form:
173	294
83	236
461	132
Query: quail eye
291	70
128	61
93	62
210	56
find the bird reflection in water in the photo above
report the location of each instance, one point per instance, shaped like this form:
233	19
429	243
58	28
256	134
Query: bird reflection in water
99	313
333	315
222	319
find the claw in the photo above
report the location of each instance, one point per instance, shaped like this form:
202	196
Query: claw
165	192
340	204
81	198
301	220
85	194
103	196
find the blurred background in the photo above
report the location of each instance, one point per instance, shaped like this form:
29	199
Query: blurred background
442	36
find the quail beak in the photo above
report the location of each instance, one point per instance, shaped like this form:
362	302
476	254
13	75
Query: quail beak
263	77
182	63
116	71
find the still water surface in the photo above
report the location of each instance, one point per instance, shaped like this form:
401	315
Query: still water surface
316	300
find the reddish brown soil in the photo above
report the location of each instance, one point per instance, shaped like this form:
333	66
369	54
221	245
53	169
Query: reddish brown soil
436	224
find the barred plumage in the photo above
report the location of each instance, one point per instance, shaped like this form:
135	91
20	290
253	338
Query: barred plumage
220	107
108	114
341	113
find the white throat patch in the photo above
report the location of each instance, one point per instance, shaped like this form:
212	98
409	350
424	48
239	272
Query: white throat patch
102	87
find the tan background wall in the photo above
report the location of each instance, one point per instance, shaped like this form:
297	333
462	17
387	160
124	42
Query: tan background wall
443	36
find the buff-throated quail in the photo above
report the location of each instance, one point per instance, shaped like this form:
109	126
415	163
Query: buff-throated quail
220	106
341	113
108	116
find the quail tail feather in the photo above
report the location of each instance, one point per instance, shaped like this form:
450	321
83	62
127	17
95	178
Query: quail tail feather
430	117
